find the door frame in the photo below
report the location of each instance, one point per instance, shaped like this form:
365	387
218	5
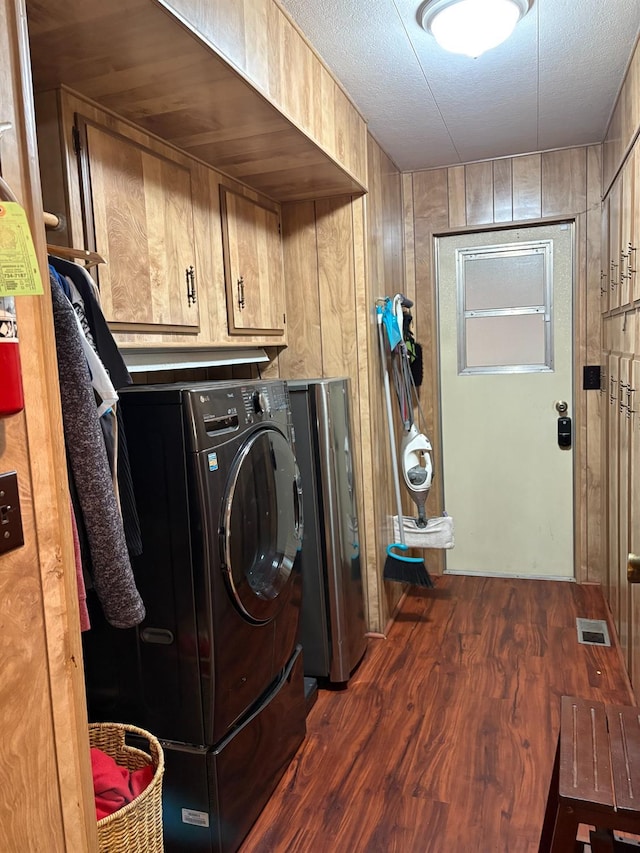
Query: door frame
582	471
492	228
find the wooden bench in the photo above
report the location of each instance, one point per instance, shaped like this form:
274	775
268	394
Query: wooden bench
596	776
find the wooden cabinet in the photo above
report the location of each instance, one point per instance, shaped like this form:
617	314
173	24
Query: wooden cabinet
253	266
626	230
615	197
157	65
605	270
139	215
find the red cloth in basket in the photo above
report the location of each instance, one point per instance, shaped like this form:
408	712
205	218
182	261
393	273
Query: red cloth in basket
114	786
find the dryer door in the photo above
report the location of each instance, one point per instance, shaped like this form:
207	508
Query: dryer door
261	529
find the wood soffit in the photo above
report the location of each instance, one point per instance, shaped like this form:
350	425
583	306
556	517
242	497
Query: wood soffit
135	58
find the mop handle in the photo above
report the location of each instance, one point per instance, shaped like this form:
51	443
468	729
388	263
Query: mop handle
392	439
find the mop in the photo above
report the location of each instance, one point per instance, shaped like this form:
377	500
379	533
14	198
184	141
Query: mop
398	567
415	452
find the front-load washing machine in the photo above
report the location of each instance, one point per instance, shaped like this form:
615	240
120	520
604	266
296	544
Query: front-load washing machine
214	670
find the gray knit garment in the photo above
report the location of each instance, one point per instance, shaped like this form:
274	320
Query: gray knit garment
111	568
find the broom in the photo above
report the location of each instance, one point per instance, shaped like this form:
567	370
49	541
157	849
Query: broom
398	567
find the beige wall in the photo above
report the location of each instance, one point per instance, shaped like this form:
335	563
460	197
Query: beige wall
497	193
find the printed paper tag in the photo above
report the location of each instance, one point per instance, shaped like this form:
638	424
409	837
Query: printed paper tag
19	272
195	818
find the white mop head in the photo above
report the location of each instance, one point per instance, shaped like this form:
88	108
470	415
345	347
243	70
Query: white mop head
437	534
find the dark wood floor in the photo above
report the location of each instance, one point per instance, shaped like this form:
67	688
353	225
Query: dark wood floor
444	739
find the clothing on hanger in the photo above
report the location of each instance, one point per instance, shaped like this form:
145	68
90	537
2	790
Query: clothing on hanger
112	359
111	571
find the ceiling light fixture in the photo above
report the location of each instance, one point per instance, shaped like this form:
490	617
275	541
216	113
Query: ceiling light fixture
471	27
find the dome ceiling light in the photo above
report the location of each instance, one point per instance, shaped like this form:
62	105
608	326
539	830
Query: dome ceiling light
471	27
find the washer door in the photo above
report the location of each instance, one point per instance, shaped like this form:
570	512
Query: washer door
261	530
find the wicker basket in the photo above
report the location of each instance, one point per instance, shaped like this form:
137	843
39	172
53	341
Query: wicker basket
136	827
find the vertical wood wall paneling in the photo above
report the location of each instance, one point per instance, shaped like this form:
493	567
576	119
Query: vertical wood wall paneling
623	506
47	792
409	241
527	187
563	181
502	190
339	255
624	122
362	422
590	342
430	214
479	193
303	356
336	285
634	528
457	197
613	480
517	186
386	275
579	422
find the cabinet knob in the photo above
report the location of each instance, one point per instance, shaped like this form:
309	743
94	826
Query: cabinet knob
241	302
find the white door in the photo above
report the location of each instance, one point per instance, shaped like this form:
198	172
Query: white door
505	340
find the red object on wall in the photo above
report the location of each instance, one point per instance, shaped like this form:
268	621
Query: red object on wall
11	397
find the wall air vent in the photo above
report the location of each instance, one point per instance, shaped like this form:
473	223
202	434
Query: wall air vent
593	632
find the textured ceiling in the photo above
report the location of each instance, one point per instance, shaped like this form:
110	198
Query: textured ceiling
552	84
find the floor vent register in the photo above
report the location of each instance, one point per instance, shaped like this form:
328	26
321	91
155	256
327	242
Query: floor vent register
593	632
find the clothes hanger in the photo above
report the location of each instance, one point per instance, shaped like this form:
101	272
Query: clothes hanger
91	259
51	220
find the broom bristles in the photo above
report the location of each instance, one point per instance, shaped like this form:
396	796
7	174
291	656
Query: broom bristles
407	570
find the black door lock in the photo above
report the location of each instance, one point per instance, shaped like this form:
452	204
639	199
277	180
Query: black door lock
564	432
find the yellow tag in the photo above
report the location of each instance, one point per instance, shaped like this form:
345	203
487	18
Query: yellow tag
19	272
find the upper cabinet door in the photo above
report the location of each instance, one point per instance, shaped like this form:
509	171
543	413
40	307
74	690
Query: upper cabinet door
252	265
139	216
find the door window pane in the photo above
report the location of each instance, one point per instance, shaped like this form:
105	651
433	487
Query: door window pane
504	308
503	281
507	340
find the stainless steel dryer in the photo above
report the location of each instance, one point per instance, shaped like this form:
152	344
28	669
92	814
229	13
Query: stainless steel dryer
214	670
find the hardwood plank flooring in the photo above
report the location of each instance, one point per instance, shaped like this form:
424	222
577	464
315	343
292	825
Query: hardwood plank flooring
443	741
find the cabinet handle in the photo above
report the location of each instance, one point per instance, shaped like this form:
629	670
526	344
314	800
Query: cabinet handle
190	275
603	276
241	301
614	274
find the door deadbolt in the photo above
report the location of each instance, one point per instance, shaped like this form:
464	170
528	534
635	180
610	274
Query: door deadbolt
561	407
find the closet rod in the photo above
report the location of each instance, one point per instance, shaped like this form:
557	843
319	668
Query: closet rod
52	221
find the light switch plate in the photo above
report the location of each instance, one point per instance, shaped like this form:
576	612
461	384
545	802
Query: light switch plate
11	535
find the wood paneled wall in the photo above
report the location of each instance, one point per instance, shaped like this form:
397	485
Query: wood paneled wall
625	122
46	795
262	42
539	187
620	307
339	255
